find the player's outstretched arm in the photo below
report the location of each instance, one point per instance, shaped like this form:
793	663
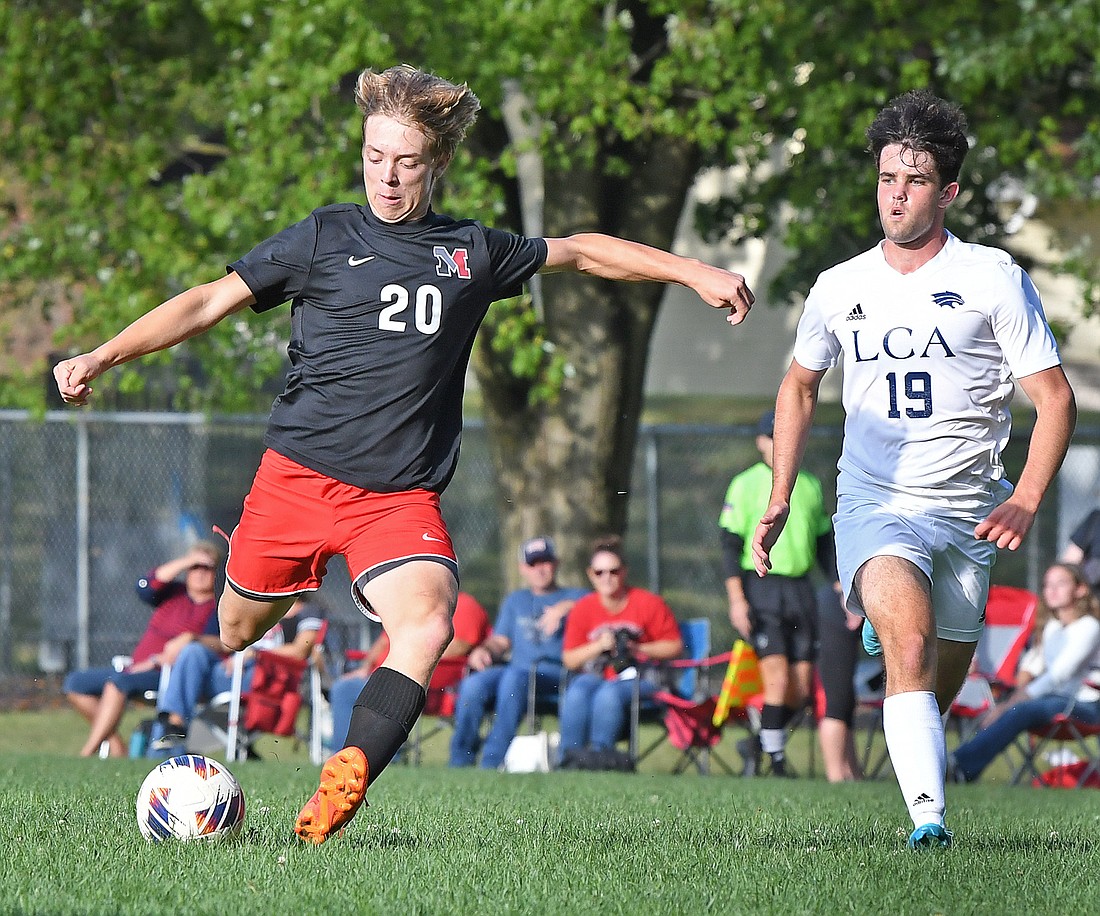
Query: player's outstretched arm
184	316
618	259
794	415
1055	418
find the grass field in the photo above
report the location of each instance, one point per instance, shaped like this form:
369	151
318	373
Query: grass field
442	841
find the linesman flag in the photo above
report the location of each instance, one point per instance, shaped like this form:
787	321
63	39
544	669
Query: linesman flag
741	682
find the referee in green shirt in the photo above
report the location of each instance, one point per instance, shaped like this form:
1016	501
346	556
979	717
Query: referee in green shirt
777	613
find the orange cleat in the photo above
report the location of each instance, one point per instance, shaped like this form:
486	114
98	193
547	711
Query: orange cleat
343	788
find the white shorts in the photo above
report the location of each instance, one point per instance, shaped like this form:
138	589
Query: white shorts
943	548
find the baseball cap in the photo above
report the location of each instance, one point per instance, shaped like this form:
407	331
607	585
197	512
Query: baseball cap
765	426
537	549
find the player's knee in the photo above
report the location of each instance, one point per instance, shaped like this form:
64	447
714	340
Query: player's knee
437	630
233	639
236	630
910	660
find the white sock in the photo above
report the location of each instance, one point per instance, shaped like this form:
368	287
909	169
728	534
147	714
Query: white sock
773	740
918	752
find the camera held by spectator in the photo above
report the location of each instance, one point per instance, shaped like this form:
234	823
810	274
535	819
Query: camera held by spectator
621	657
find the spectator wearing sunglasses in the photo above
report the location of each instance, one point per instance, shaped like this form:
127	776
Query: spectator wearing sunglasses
608	634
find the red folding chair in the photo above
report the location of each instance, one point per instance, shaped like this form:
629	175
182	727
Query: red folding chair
273	699
1009	621
689	721
681	710
1081	739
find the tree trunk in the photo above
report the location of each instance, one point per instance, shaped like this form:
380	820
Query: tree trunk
563	468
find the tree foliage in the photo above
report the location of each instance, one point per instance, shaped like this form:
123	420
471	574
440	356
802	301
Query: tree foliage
113	111
144	145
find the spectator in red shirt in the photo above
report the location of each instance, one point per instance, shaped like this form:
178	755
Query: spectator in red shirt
181	610
472	628
606	635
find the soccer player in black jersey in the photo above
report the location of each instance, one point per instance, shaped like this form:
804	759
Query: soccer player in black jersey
385	302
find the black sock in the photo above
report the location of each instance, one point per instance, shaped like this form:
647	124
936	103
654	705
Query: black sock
774	716
383	716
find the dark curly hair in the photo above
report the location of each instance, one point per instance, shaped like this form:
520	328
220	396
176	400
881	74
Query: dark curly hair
922	122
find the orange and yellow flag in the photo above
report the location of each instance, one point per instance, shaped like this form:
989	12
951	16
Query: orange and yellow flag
741	682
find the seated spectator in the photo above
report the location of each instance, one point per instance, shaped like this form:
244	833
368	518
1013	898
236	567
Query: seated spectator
607	634
527	635
204	668
1052	677
471	626
181	611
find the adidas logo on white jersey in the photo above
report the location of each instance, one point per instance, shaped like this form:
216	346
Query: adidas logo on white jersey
856	314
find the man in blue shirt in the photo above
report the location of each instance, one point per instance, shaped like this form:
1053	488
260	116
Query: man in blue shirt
527	637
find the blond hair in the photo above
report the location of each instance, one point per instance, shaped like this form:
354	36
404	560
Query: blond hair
439	109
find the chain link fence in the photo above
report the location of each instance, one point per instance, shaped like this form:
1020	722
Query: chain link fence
89	502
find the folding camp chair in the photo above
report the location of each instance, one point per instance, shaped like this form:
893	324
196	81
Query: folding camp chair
685	711
1009	620
689	723
270	705
1082	740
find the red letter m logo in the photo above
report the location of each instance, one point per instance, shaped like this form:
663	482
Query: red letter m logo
451	263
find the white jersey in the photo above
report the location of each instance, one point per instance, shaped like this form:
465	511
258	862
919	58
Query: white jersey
928	359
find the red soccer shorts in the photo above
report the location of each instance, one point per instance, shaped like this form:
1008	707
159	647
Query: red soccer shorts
295	520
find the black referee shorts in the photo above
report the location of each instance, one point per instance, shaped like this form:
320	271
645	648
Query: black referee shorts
783	612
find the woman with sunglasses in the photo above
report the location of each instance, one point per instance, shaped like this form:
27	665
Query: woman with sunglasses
608	634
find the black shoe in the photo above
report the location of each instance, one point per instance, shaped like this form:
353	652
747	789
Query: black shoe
749	749
164	732
778	767
172	738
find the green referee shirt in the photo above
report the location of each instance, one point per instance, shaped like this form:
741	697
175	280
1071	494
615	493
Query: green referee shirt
795	553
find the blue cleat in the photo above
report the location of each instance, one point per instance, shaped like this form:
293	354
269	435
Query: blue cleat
871	645
930	836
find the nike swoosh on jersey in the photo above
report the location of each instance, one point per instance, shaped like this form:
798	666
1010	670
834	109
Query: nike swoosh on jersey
428	537
353	261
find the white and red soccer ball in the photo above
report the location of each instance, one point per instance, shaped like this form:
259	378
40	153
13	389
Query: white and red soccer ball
190	797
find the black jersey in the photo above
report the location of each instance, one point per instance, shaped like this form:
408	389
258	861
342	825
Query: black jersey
383	318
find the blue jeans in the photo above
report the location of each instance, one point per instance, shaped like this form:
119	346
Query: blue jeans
594	711
198	674
341	697
502	688
976	754
91	681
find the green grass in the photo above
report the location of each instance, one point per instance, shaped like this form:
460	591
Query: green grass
438	841
441	841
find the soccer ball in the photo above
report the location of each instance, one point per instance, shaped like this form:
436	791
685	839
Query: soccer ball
190	797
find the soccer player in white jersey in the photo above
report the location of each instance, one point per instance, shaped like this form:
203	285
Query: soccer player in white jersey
931	332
